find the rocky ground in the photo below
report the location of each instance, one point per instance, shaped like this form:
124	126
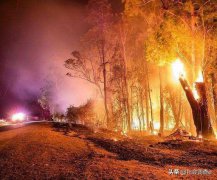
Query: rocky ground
44	151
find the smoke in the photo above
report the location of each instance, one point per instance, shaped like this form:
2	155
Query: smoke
37	37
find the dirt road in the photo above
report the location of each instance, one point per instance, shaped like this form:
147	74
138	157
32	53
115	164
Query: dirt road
38	151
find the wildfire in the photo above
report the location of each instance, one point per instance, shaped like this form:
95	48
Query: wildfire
196	96
124	133
178	69
200	77
156	125
200	136
135	123
155	132
115	139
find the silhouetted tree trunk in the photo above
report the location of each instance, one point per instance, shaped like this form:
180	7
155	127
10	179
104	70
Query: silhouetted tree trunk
147	109
105	86
148	98
142	109
161	101
123	44
214	93
199	108
192	41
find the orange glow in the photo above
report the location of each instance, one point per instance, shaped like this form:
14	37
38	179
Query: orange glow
200	136
124	133
178	69
135	123
115	139
156	125
155	132
200	77
196	96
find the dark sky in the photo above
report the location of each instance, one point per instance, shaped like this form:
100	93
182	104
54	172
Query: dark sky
36	36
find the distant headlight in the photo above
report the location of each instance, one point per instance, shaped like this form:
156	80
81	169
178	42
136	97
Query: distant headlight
18	117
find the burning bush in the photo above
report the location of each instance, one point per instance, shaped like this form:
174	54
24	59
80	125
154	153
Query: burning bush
83	114
72	114
58	117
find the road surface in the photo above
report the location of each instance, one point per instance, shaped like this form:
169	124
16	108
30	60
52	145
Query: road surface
38	151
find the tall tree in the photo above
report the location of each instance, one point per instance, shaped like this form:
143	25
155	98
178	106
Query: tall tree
97	48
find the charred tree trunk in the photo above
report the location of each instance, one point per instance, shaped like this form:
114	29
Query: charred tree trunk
176	107
147	109
199	108
142	109
106	97
128	108
149	100
161	102
214	93
147	96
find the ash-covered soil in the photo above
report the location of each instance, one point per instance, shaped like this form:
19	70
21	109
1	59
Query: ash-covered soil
43	151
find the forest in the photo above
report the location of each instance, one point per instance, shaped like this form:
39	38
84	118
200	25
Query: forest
108	89
152	64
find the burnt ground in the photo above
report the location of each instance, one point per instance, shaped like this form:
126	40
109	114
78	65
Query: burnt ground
43	151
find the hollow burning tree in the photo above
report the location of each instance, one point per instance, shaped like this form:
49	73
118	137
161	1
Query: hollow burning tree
199	108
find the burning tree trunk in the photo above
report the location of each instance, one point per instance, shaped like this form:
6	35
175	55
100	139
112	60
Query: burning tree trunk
214	93
199	108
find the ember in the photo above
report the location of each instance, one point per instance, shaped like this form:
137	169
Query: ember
115	139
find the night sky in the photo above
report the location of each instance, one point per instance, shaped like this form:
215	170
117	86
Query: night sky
36	37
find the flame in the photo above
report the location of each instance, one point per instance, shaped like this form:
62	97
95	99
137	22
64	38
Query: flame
170	126
200	136
124	133
155	132
178	69
196	95
115	139
200	77
156	125
135	123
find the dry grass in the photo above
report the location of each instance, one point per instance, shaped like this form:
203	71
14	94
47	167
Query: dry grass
41	152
